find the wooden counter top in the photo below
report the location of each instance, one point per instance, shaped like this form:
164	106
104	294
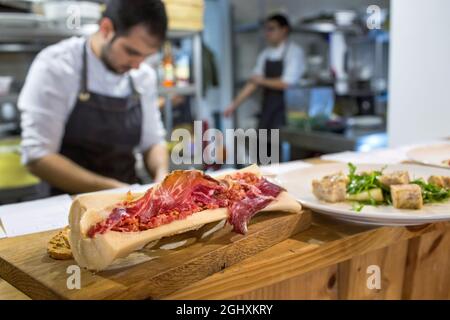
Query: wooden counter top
8	292
330	260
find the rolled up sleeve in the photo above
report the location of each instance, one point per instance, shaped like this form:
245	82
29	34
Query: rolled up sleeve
44	103
294	66
258	70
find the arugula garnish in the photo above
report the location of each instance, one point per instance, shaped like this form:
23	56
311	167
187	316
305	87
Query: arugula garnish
362	182
432	193
370	180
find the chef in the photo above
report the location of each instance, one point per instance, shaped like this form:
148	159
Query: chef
88	104
278	67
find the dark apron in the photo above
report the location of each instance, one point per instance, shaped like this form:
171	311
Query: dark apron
102	132
273	113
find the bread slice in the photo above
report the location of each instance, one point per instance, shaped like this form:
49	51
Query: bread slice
99	252
58	247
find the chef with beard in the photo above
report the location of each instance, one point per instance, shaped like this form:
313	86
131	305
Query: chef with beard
89	104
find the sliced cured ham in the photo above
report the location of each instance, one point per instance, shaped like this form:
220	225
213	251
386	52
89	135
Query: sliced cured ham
106	227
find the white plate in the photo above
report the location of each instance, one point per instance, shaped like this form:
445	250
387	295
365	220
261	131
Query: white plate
298	183
431	155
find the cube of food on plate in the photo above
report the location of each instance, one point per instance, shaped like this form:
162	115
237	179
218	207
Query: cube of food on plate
366	173
397	177
375	194
440	181
331	188
407	196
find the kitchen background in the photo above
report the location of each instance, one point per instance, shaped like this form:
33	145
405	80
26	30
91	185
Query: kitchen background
363	88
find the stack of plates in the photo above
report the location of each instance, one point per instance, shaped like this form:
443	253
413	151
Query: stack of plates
437	155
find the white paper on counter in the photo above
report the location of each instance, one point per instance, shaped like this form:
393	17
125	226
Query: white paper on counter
2	232
35	216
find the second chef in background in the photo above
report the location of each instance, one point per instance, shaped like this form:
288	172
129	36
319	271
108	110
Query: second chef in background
89	103
279	66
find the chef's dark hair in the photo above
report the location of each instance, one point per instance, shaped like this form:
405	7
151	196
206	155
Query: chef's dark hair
126	14
281	20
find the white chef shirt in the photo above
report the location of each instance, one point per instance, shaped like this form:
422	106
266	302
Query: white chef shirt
294	61
51	89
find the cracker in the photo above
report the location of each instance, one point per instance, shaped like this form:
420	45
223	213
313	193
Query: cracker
58	247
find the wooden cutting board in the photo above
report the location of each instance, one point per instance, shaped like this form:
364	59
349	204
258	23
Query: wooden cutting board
151	273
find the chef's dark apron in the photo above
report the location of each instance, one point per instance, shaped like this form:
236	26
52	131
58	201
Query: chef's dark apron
102	131
273	113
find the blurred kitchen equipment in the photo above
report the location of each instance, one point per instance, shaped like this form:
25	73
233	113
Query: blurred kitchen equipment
16	182
338	58
5	84
23	34
8	112
314	65
59	11
331	21
13	173
321	102
20	5
168	66
357	57
21	20
318	115
367	121
344	17
381	17
185	14
182	70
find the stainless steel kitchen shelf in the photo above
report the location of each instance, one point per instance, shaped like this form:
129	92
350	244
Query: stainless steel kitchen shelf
12	35
178	34
17	36
8	127
329	142
313	27
248	27
327	27
9	98
21	47
188	90
20	4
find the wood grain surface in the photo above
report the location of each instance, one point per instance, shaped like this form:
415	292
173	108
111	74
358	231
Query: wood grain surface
148	274
326	243
8	292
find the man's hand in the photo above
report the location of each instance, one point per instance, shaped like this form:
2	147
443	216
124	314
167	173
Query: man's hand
246	92
66	175
258	80
109	183
229	110
271	83
157	161
160	175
